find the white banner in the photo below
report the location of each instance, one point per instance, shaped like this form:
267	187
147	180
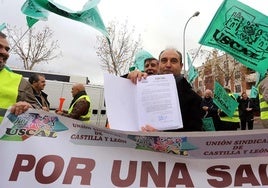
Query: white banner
46	150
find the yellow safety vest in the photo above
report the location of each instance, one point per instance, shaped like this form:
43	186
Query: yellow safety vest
234	118
263	108
85	118
9	86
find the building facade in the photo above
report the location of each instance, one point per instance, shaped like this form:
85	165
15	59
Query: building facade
227	71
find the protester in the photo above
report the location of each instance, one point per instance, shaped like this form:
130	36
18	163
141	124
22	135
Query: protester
170	62
140	57
13	88
229	123
246	108
151	66
38	82
263	101
209	109
80	106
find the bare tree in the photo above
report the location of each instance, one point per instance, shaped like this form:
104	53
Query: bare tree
220	68
34	47
117	54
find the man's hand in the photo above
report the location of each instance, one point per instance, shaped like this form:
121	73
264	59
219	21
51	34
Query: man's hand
45	109
59	112
20	107
205	108
148	128
136	75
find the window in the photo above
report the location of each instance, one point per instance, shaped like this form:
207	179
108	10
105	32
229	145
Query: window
238	88
237	75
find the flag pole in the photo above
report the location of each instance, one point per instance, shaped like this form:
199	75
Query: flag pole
196	54
19	39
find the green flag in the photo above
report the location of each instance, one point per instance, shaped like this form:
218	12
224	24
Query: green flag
88	5
225	102
253	92
240	31
33	13
140	57
31	21
2	26
192	72
88	15
189	61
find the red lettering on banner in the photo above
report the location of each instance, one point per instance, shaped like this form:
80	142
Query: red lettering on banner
186	178
18	167
158	178
74	168
218	171
84	173
58	167
147	169
244	175
263	174
132	170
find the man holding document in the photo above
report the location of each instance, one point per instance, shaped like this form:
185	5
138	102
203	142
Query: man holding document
189	111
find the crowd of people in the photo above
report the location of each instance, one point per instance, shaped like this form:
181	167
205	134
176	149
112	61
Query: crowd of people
195	105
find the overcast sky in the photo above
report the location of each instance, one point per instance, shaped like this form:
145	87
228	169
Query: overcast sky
159	22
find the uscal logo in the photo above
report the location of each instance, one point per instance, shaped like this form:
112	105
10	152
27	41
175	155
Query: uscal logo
32	124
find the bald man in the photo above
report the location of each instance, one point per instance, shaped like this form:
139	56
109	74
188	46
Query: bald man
80	106
170	62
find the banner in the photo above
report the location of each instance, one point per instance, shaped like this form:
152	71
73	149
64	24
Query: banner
41	149
254	92
33	13
32	10
225	102
208	124
89	15
192	72
240	31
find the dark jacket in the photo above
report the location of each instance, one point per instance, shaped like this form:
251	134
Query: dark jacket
39	99
243	105
211	112
80	108
190	103
213	109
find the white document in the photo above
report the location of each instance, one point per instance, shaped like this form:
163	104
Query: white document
153	101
